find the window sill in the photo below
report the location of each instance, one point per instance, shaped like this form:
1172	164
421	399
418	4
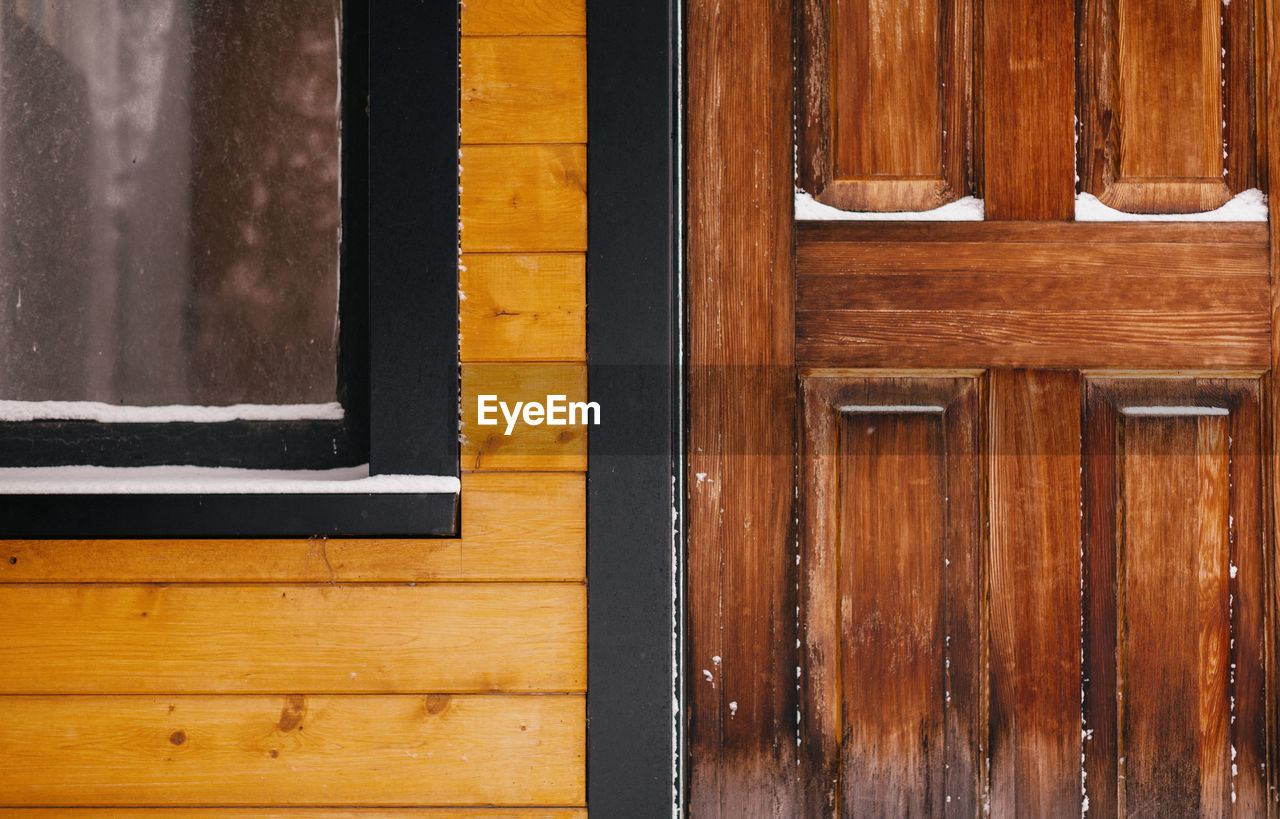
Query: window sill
59	503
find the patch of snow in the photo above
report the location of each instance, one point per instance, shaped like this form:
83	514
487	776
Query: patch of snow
1247	206
174	413
1173	411
208	480
968	209
889	408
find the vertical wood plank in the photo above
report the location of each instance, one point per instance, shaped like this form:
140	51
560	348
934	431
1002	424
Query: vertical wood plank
1035	592
741	399
1269	120
1028	107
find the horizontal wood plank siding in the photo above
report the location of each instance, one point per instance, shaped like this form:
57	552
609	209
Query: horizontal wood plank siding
353	678
512	18
524	89
287	813
531	306
292	750
518	526
457	637
521	198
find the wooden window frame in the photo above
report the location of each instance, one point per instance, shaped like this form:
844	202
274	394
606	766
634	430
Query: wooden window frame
398	351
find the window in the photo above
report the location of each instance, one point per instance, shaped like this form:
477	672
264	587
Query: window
222	173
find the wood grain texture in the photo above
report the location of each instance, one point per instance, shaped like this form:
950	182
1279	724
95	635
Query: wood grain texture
1028	105
453	637
524	90
523	307
892	569
885	102
1034	485
1268	41
293	750
518	526
1167	103
1174	700
742	409
514	17
523	198
286	813
1044	295
529	447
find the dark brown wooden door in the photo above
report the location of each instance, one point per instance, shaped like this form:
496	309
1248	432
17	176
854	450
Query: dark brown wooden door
1021	560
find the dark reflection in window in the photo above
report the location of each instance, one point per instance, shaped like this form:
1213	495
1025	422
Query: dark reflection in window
169	200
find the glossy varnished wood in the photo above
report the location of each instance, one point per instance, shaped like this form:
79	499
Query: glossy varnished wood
892	595
1034	497
884	102
1174	634
292	750
1167	103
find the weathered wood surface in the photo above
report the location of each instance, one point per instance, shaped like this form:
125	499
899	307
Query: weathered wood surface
524	198
463	637
293	749
1028	109
1044	295
1168	113
1034	486
524	90
523	307
885	102
891	567
1174	701
741	403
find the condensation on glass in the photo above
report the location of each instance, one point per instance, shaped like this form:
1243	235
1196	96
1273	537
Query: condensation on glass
169	201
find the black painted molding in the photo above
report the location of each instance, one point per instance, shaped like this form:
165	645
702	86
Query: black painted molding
635	456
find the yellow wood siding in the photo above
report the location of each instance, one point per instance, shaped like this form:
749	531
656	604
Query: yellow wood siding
349	674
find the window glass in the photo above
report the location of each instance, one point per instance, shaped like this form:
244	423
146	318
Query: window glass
169	200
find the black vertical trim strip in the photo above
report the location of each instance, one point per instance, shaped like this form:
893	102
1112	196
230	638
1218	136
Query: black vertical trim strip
413	237
634	455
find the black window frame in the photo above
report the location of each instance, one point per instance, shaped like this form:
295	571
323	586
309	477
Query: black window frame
398	363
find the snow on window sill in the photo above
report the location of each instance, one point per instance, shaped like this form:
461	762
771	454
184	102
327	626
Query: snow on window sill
113	414
201	480
968	209
1247	206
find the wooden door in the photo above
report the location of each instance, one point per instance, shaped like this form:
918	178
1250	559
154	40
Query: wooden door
982	514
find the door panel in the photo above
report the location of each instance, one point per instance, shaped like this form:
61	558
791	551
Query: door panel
1174	578
886	110
1167	103
895	656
